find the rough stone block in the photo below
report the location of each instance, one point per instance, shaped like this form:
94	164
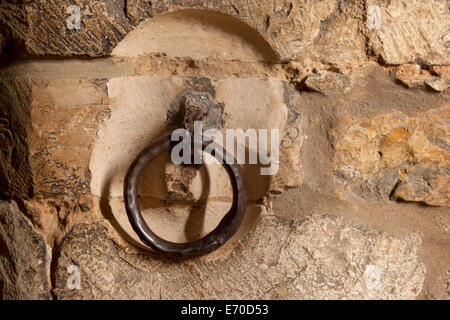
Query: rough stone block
24	257
322	257
394	155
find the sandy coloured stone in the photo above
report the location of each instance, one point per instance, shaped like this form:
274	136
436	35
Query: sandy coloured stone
394	155
66	114
404	36
324	30
328	83
15	123
24	257
322	257
412	76
429	184
438	84
48	127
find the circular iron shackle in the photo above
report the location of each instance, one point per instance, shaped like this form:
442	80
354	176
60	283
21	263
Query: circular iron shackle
210	242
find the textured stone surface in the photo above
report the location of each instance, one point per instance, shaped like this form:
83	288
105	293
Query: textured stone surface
425	183
15	122
24	257
321	257
41	26
47	129
247	103
412	75
179	180
290	173
328	83
70	127
331	31
404	34
393	154
448	283
291	28
65	116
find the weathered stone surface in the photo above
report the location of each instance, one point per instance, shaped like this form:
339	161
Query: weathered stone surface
179	179
339	42
248	103
47	129
322	257
403	35
412	75
53	217
290	173
394	154
425	183
328	83
291	28
15	123
438	84
441	71
24	257
448	283
42	26
66	114
329	31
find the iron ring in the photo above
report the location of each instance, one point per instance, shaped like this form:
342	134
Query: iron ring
210	242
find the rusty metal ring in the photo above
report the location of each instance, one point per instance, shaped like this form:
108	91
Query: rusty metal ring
210	242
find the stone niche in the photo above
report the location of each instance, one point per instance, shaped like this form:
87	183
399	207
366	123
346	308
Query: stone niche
138	119
139	107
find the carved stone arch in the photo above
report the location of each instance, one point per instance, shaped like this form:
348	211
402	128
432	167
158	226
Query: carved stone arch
197	34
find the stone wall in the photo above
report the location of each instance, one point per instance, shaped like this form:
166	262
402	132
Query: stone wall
359	208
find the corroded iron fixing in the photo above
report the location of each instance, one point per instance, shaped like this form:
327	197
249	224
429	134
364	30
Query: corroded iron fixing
212	241
194	104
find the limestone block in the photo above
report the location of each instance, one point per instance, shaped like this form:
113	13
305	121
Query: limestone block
323	257
24	257
328	83
394	155
48	127
135	121
324	30
410	31
65	116
15	123
411	75
196	34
